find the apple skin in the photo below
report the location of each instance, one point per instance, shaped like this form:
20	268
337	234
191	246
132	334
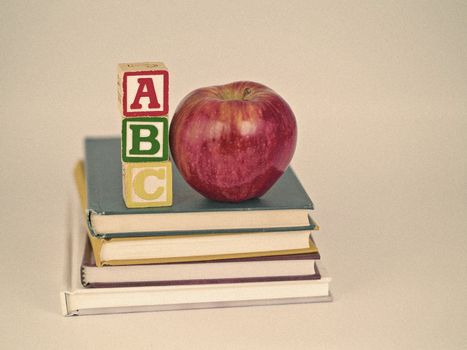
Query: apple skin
232	142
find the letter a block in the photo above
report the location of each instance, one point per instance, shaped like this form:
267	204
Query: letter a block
147	184
145	139
143	89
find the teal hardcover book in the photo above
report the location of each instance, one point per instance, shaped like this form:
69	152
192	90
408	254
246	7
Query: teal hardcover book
285	207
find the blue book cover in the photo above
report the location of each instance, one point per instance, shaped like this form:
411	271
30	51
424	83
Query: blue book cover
287	200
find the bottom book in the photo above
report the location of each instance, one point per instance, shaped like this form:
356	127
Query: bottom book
82	301
78	300
155	306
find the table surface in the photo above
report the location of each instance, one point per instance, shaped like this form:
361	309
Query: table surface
379	91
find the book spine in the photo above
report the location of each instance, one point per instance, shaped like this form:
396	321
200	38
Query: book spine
96	243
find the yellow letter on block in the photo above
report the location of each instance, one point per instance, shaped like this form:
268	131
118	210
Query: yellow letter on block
147	184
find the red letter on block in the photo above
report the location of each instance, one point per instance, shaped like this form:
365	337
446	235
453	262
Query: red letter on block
145	93
145	89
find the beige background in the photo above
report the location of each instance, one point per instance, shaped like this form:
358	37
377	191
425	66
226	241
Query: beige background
379	90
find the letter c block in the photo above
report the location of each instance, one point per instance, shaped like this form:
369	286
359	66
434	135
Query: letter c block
145	139
147	184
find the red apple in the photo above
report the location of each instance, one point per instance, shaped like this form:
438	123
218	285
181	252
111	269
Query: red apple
233	142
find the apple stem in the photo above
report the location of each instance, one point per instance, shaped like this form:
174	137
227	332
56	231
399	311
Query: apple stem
246	92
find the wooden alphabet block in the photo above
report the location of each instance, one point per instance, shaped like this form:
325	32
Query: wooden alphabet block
147	184
145	139
143	89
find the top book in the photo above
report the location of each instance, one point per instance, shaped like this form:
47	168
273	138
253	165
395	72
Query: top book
284	207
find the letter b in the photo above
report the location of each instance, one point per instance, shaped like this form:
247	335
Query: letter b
138	140
145	140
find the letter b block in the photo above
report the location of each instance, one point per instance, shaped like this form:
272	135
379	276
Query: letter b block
143	89
145	139
147	184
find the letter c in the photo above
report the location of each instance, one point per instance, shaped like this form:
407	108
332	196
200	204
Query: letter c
138	184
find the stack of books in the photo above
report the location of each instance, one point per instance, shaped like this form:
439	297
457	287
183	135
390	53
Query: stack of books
196	253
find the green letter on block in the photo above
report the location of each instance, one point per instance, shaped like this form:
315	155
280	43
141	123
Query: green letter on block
145	139
137	139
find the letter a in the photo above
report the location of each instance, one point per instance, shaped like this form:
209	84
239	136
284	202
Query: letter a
145	89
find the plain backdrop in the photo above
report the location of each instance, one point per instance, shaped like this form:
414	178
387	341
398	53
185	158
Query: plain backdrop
379	90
